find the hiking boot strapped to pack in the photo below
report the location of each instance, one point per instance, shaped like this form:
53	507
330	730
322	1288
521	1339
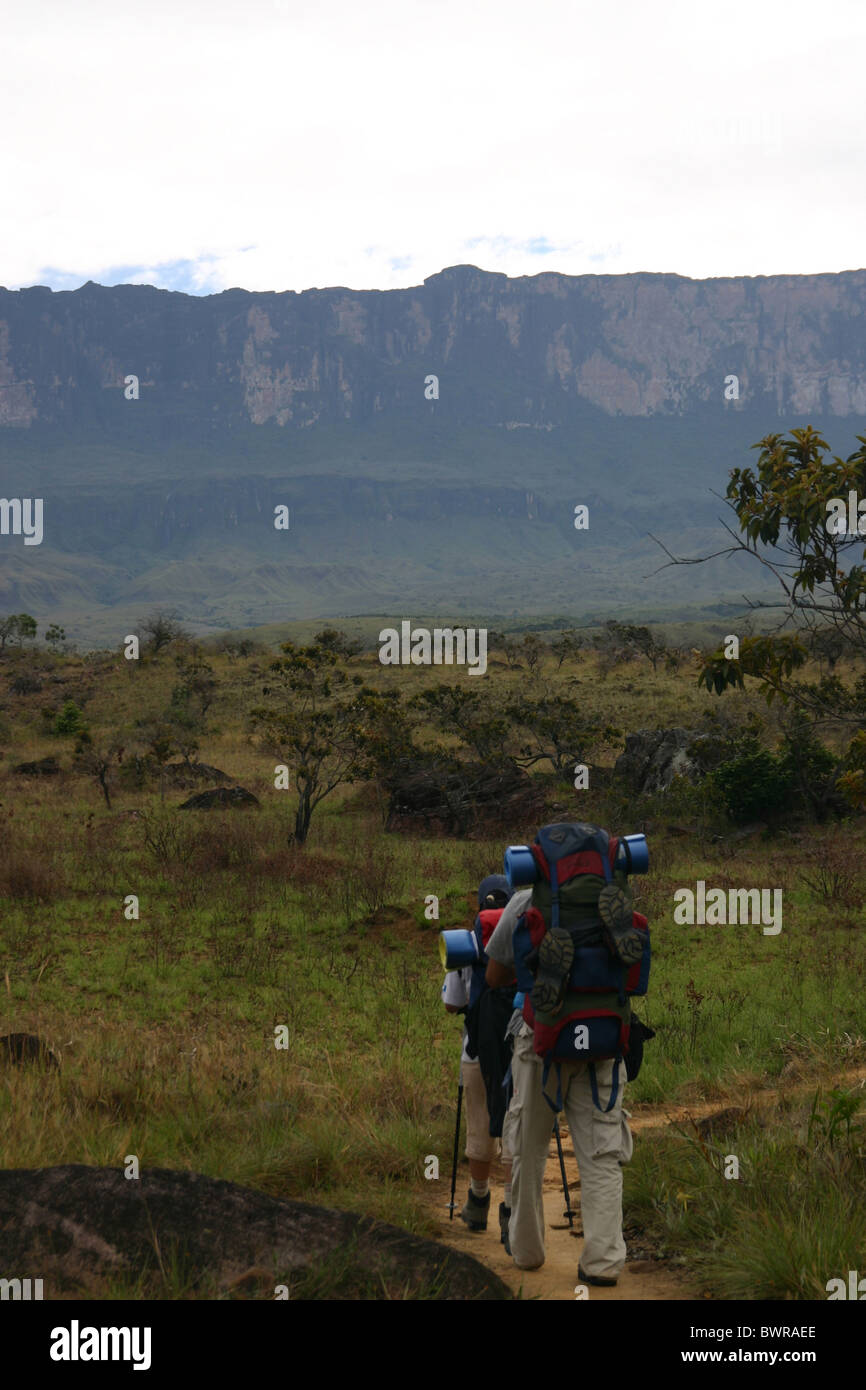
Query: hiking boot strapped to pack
581	951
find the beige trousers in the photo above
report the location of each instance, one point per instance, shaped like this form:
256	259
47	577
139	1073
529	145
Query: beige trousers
480	1143
601	1143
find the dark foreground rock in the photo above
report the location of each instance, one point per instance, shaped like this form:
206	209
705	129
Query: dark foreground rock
219	796
76	1225
19	1048
43	767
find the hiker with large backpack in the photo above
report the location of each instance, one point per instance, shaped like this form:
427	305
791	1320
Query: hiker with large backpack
482	1066
580	953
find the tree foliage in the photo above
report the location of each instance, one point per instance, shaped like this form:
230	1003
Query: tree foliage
554	728
160	629
319	721
16	629
786	510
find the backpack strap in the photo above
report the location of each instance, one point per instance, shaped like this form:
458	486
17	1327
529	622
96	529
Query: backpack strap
478	983
614	1090
554	895
544	1075
593	1081
604	851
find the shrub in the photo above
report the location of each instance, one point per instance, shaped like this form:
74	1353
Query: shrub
754	785
757	784
70	720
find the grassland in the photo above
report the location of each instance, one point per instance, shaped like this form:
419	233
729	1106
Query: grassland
166	1024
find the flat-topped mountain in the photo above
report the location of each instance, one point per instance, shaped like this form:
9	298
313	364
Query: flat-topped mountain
429	443
508	352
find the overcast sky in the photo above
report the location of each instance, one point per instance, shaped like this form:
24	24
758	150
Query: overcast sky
283	144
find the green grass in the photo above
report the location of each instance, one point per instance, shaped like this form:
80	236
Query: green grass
167	1024
793	1219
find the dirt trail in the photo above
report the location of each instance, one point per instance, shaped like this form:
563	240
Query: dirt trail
642	1279
557	1277
656	1116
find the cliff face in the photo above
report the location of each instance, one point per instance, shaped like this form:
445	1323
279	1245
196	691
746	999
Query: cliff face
523	353
430	443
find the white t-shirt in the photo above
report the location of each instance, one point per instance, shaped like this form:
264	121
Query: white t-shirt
455	990
500	947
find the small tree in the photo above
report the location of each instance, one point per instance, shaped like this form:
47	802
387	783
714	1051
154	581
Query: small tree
631	640
15	630
566	647
317	724
98	758
160	629
191	698
337	642
197	685
159	738
70	720
532	650
555	729
465	713
513	652
55	637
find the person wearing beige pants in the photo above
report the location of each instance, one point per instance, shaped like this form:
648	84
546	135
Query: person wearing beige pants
602	1142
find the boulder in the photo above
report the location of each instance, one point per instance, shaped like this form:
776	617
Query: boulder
219	796
43	767
654	757
78	1224
18	1048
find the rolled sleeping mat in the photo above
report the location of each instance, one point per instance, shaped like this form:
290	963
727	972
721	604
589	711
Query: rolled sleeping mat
520	866
632	854
458	949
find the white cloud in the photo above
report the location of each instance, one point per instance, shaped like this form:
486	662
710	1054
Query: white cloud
282	145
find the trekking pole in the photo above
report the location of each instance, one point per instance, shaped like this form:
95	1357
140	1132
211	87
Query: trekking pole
568	1212
451	1204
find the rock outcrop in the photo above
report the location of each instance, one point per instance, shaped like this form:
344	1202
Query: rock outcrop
234	798
77	1225
42	767
654	757
18	1049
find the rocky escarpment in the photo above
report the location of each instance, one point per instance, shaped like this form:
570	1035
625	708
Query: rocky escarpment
524	353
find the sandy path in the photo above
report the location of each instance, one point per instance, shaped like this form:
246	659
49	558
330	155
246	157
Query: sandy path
642	1279
557	1277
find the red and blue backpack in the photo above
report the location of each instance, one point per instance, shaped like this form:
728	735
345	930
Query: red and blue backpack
494	887
572	865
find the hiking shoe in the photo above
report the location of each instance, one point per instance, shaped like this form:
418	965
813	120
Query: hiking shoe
504	1218
598	1280
555	958
475	1212
616	909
